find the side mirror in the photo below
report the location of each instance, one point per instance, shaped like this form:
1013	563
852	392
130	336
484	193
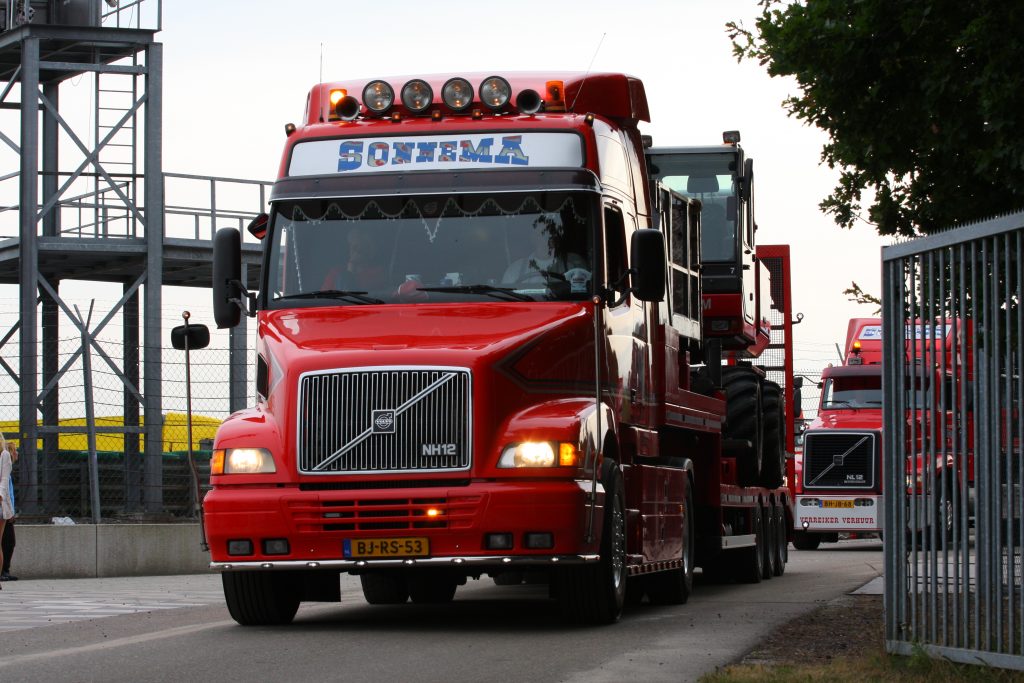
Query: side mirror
190	337
648	267
258	227
227	274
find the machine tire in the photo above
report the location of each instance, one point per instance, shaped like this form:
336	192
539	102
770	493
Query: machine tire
675	586
803	540
382	588
781	544
595	594
428	587
773	457
750	560
743	420
770	535
262	598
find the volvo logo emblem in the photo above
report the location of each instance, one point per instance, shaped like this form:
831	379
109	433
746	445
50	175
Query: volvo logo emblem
383	421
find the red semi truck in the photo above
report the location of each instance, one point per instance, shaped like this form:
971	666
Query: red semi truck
499	335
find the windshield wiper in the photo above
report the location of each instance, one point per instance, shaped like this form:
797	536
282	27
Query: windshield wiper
343	294
481	289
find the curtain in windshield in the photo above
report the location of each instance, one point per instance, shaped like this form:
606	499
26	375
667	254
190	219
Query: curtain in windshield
437	248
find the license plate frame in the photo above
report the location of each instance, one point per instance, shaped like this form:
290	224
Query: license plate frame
391	547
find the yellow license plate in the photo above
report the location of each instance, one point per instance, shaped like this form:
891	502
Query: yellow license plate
837	503
387	547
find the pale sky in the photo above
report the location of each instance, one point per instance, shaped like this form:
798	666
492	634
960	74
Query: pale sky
236	71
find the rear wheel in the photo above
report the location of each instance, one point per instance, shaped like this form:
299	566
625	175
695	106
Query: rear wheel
750	560
674	587
262	598
595	594
773	457
381	588
781	544
743	420
770	536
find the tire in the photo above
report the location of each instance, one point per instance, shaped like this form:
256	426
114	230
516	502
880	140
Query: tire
743	420
773	456
781	544
770	541
942	520
675	586
750	560
595	594
382	588
428	587
262	598
803	540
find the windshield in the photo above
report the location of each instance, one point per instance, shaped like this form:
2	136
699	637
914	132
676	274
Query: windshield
852	392
706	177
457	248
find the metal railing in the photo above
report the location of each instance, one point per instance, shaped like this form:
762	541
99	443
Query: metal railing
953	368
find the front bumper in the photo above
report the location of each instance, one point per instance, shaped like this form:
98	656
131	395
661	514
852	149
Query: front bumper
455	521
854	512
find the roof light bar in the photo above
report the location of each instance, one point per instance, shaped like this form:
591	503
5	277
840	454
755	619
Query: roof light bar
378	96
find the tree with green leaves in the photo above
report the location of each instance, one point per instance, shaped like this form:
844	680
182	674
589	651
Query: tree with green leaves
922	102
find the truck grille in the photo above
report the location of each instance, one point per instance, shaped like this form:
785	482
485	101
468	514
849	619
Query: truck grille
379	420
840	460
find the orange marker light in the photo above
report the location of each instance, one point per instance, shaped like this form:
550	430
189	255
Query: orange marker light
337	96
554	98
566	455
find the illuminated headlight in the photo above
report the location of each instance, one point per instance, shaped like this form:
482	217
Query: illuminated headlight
539	454
457	93
378	96
417	95
495	92
242	461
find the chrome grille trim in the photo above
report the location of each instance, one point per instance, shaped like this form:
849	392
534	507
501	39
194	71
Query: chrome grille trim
377	420
834	458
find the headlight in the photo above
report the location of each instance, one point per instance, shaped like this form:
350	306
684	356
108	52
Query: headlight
417	95
538	454
495	92
457	93
378	96
242	461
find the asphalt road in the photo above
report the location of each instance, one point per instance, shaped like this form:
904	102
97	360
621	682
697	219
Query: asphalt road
176	628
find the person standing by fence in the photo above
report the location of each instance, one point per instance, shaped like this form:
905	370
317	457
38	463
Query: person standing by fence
6	499
7	542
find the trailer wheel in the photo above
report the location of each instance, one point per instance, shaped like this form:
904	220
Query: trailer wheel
803	540
781	544
259	598
743	420
773	458
770	535
382	588
674	587
596	593
748	568
428	587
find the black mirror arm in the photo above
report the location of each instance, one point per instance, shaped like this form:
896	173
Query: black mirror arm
617	291
246	301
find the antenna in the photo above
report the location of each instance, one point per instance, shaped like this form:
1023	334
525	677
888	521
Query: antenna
572	107
321	82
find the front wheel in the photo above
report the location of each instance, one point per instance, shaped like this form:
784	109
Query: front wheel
595	594
803	540
384	588
261	598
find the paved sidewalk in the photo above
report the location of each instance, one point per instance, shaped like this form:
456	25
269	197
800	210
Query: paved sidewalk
42	602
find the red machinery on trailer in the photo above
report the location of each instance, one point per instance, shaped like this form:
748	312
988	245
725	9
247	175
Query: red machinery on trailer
498	335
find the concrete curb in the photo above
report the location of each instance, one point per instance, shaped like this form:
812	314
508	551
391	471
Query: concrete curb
46	551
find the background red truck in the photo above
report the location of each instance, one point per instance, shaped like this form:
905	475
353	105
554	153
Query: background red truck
838	482
492	327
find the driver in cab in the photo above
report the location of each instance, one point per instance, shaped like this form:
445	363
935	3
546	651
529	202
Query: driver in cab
548	259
